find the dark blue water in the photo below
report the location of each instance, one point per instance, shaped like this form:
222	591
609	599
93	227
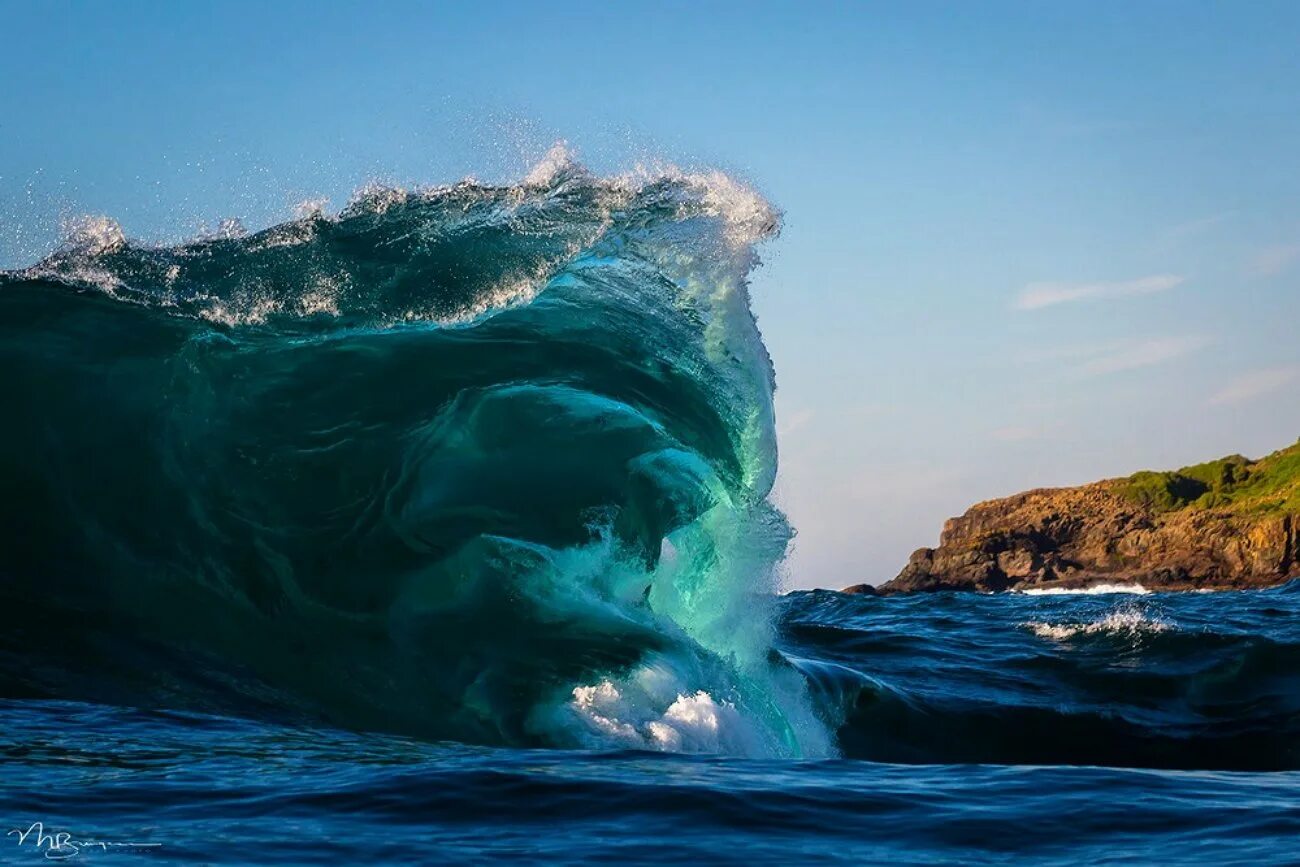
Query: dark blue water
438	530
987	718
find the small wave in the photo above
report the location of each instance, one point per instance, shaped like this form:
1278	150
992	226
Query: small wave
1121	623
1179	681
1095	590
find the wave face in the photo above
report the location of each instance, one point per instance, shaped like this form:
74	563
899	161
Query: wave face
483	463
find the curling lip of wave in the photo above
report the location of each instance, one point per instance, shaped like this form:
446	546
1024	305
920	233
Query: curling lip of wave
96	252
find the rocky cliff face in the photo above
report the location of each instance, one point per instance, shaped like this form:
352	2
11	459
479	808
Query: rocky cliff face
1229	524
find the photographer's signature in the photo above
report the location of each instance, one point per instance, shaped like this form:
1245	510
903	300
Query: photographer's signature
59	845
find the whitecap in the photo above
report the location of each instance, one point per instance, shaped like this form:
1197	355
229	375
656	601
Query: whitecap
1126	622
1095	590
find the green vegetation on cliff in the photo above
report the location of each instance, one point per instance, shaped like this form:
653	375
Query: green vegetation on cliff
1233	484
1230	524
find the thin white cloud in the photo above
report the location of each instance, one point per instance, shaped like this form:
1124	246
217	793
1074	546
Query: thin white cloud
1142	353
1188	232
1038	295
1255	384
1271	261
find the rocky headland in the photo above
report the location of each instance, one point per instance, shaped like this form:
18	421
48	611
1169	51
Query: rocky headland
1228	524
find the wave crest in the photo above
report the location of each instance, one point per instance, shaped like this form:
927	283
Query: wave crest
1128	622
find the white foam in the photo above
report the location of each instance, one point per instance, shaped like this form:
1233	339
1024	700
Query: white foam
748	216
285	235
254	311
1122	623
510	293
637	715
227	229
322	298
558	161
377	198
745	216
92	234
1095	590
311	208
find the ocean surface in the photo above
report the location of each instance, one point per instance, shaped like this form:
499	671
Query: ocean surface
437	530
981	729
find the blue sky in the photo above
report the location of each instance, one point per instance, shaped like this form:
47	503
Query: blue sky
1025	244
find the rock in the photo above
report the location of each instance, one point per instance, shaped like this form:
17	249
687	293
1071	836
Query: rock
861	590
1229	524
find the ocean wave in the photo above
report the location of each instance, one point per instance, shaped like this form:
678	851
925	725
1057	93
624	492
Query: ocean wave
456	461
1129	622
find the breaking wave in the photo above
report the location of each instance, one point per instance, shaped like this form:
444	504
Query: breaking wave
480	462
1126	622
